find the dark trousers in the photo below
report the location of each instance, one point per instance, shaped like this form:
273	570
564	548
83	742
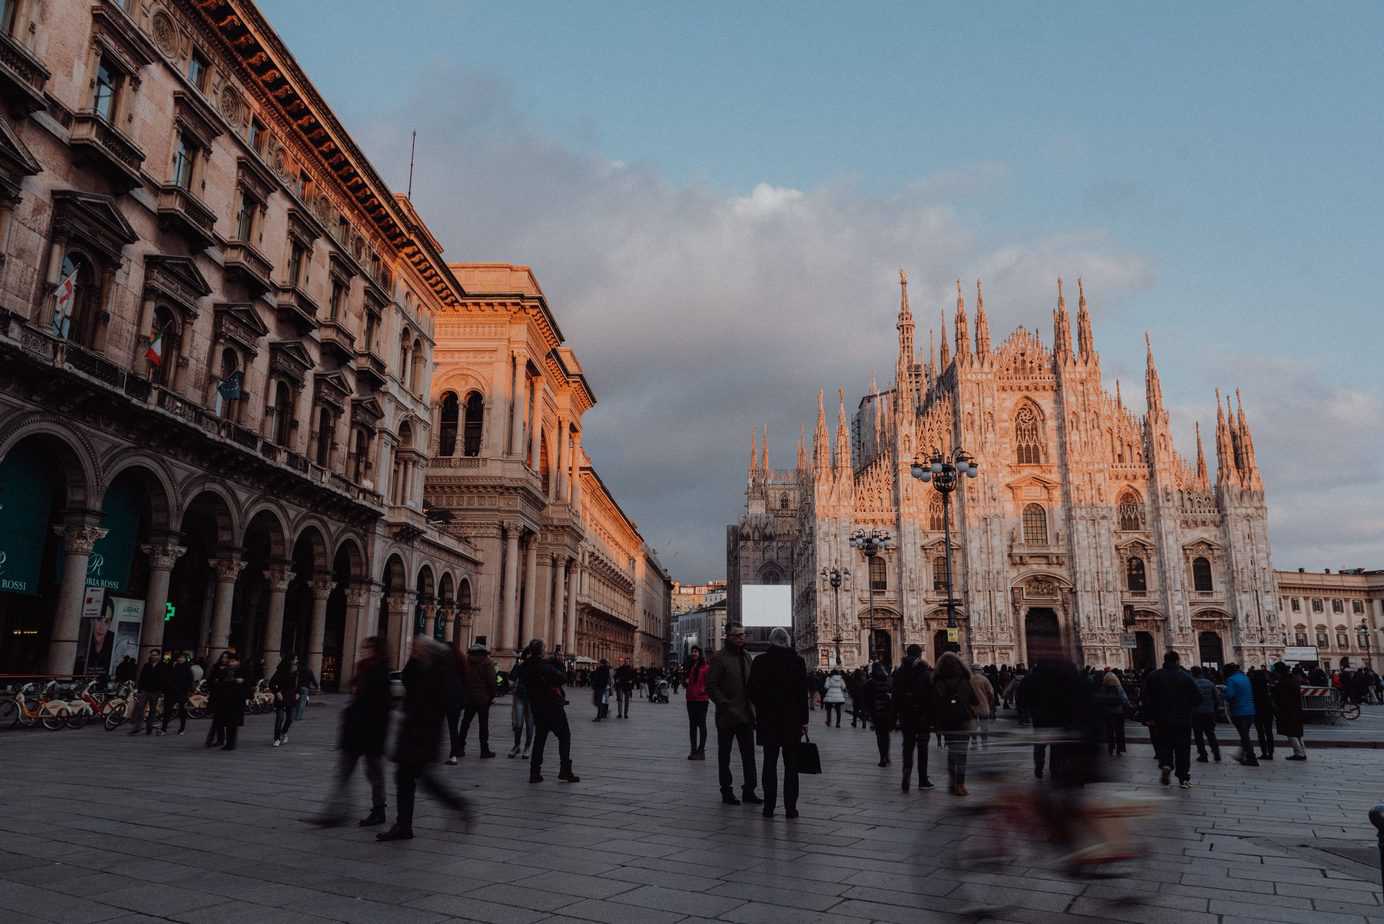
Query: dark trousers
1242	724
773	747
915	739
345	768
1263	724
882	742
836	708
553	720
453	727
481	712
696	725
1174	746
1040	756
216	734
407	779
742	735
172	704
283	718
957	744
1204	730
1115	733
622	701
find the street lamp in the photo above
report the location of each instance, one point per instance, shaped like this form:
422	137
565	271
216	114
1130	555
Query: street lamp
871	542
833	576
944	473
1365	639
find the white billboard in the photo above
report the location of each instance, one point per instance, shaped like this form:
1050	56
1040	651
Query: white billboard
766	605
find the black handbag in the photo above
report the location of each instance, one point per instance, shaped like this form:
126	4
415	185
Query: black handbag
809	759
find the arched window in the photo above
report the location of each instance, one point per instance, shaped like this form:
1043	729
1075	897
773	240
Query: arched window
447	433
783	502
230	362
464	597
935	515
475	418
405	436
415	375
1028	435
283	414
1201	575
360	456
324	436
163	347
83	308
1342	638
879	579
544	469
1035	525
1323	641
404	344
1300	635
939	574
1131	512
1135	576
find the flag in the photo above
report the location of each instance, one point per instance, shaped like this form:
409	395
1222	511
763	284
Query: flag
64	299
229	389
155	352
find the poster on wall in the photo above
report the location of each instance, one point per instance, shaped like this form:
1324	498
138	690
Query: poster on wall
128	620
95	634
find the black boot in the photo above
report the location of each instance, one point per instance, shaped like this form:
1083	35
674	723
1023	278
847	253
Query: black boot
567	776
535	776
395	833
376	817
747	796
728	797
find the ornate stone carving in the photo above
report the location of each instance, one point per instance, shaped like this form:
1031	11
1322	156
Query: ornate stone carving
163	557
279	577
80	540
229	102
165	33
227	569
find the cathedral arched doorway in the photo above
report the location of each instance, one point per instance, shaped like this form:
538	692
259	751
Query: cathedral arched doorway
1209	649
1042	633
884	648
1145	658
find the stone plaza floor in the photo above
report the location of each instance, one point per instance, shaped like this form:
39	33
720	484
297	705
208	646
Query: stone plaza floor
98	826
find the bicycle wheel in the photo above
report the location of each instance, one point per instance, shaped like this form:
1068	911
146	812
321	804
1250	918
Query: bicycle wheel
115	714
1351	711
76	718
9	713
55	719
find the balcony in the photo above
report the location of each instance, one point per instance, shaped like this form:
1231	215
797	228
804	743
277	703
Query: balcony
183	213
294	303
336	338
251	267
22	77
97	142
371	368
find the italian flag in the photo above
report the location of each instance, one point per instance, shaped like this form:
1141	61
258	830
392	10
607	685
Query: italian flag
155	352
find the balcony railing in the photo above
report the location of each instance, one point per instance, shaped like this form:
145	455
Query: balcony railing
249	265
103	370
98	141
297	304
456	462
370	365
22	77
182	212
335	336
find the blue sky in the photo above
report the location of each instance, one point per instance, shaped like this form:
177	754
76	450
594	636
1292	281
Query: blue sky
1212	169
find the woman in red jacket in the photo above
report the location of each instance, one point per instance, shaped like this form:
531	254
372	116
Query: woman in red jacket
697	669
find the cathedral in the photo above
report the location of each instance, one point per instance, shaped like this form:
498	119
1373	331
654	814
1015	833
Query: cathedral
1084	522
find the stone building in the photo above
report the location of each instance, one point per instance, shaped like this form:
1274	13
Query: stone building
688	597
1340	614
216	339
1085	522
704	626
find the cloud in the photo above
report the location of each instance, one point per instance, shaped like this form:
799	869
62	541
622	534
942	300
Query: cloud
700	313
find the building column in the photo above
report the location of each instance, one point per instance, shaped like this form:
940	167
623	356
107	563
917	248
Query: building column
78	541
429	619
509	627
400	612
554	630
227	571
576	471
519	379
357	596
573	583
279	578
161	561
534	436
559	461
322	585
530	587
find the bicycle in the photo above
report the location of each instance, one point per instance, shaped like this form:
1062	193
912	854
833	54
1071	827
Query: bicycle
16	710
78	710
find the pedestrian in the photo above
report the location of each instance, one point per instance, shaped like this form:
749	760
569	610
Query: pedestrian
424	713
480	684
520	709
216	732
879	700
600	690
153	678
855	686
364	727
1204	715
727	685
1047	697
697	704
1263	710
307	685
180	684
455	674
545	679
1287	702
778	691
954	702
1169	697
126	671
834	695
284	685
913	707
985	707
230	702
1239	699
1112	701
625	680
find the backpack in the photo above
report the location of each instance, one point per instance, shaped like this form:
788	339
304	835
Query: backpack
954	710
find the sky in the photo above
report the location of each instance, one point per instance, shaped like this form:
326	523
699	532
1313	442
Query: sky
716	198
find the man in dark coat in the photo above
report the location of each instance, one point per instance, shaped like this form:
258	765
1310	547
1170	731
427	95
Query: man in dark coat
479	683
175	696
544	679
420	734
229	712
778	690
1287	706
284	685
1263	711
728	686
1170	695
600	690
625	680
364	727
913	706
153	677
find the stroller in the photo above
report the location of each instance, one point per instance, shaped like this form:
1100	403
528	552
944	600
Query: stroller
661	690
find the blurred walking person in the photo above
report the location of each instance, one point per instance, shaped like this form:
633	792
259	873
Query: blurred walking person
229	713
913	705
985	707
545	679
176	691
284	685
1169	697
1263	711
1112	701
1287	702
600	690
1239	699
625	682
153	677
954	704
520	708
778	690
364	727
480	684
697	703
879	701
728	686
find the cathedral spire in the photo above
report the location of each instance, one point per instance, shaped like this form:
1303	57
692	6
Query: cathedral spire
821	445
931	357
1086	343
802	448
1226	470
843	442
764	452
946	353
754	452
1153	389
903	376
982	325
963	337
1119	399
1249	468
1061	328
1201	460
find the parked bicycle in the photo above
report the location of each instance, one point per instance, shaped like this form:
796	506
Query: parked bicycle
24	708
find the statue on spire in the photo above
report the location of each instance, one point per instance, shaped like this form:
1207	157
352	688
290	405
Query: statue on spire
942	333
963	337
821	440
802	448
754	452
1249	467
1061	327
982	325
1202	479
903	373
1153	388
843	442
1226	469
764	449
1086	343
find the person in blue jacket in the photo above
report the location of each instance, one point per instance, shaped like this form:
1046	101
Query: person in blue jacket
1239	700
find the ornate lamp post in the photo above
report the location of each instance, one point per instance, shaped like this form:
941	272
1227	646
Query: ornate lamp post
945	474
1365	640
871	542
833	576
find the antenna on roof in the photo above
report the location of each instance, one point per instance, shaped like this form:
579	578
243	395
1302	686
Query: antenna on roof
412	146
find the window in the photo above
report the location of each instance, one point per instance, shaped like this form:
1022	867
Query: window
7	11
447	432
404	346
1201	575
324	436
415	371
283	414
1135	576
1342	638
1317	604
184	154
936	515
245	217
1296	603
1338	606
1131	512
1028	436
1362	636
297	255
1357	607
939	574
162	343
197	70
475	418
371	323
879	579
338	302
360	456
1300	636
254	135
1322	640
229	363
83	312
107	87
1035	525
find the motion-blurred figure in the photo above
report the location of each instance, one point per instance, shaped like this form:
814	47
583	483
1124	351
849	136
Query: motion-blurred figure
364	726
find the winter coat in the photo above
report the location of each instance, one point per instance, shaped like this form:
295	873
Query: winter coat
1259	686
1049	694
1287	701
365	721
778	690
479	679
1170	695
424	713
878	698
1210	697
952	698
1238	695
1111	700
985	696
151	678
625	677
835	686
285	684
600	678
180	682
229	696
544	680
728	686
696	682
913	695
